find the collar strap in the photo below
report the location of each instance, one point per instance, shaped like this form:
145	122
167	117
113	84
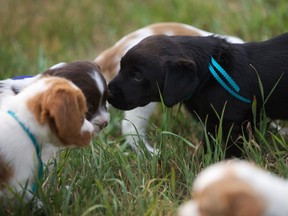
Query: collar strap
36	145
234	89
21	77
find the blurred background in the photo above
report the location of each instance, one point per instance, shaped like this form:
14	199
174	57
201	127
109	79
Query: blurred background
37	34
109	178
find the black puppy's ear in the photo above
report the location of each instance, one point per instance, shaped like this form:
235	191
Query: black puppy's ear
181	81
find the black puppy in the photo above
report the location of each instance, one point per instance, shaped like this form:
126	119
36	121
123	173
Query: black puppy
206	74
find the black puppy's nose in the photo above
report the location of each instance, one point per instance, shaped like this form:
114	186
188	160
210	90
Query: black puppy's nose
109	95
112	91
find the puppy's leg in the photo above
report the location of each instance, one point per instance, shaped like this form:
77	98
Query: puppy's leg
50	155
19	192
234	146
134	126
230	134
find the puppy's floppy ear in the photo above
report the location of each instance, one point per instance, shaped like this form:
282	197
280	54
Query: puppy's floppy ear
64	110
180	82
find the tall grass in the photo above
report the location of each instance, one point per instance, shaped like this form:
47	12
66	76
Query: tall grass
108	178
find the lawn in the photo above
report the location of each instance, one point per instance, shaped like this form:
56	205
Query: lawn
109	178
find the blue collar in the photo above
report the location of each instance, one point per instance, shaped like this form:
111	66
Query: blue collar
21	77
36	145
235	88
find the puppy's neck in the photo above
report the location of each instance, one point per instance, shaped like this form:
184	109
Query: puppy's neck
223	53
18	105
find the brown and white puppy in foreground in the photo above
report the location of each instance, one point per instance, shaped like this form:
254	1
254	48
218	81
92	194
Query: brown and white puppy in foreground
49	112
135	121
237	188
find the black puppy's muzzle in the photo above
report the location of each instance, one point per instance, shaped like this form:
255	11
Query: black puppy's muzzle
116	97
113	92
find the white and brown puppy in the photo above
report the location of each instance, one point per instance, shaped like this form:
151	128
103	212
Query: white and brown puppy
50	111
237	188
84	74
109	62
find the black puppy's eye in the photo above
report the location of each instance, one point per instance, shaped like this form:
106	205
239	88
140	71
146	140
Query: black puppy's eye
137	76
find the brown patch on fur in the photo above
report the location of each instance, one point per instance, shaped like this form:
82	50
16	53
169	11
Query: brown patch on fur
229	197
6	173
174	28
63	107
110	58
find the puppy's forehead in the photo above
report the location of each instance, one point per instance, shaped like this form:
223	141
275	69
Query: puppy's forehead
87	76
80	73
61	82
151	46
142	51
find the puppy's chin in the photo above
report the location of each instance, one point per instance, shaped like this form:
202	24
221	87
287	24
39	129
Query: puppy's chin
122	105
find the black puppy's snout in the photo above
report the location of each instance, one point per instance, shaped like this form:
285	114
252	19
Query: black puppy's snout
113	92
117	98
109	94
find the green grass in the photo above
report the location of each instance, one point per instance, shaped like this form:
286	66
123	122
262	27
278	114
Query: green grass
109	178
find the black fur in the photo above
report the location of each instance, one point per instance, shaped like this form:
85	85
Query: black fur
178	67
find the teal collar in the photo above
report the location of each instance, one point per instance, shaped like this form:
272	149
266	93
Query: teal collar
36	145
235	88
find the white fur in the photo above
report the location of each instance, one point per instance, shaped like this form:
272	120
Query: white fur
229	38
210	175
189	208
134	125
87	126
100	84
16	148
58	65
102	115
8	85
99	118
272	189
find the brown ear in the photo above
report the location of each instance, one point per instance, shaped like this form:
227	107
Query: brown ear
230	197
64	109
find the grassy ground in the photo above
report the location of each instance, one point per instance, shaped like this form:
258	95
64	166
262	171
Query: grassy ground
108	178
